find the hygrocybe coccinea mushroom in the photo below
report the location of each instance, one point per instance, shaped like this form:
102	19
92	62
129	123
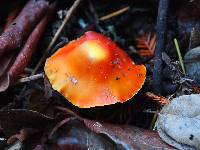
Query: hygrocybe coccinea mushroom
94	71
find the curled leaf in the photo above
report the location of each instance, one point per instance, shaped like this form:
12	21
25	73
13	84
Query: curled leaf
14	36
12	71
179	122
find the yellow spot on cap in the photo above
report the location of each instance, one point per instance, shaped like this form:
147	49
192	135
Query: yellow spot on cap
94	50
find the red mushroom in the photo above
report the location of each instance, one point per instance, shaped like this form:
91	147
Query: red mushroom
93	71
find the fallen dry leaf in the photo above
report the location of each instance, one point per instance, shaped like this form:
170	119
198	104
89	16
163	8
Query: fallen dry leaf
146	45
109	135
10	72
179	122
162	100
23	135
14	36
14	120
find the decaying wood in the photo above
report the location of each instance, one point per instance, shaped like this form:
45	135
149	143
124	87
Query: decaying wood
25	54
160	34
21	27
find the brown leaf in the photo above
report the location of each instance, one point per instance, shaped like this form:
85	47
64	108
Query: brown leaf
23	135
21	27
128	136
146	45
5	62
196	89
178	123
14	120
109	135
92	134
25	54
73	135
30	46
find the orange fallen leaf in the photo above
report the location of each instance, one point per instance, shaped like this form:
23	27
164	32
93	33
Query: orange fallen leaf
162	100
146	45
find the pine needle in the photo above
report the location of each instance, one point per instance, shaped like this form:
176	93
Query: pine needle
113	14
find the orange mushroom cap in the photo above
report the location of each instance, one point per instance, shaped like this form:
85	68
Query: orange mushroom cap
93	71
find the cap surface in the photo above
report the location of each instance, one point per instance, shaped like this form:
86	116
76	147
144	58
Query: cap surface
93	71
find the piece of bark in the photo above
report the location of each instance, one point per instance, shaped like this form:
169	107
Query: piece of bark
17	32
25	54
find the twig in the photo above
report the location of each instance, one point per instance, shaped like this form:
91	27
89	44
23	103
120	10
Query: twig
46	52
179	55
93	11
160	34
30	78
115	13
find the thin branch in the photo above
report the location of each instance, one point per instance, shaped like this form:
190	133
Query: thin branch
160	34
30	78
115	13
